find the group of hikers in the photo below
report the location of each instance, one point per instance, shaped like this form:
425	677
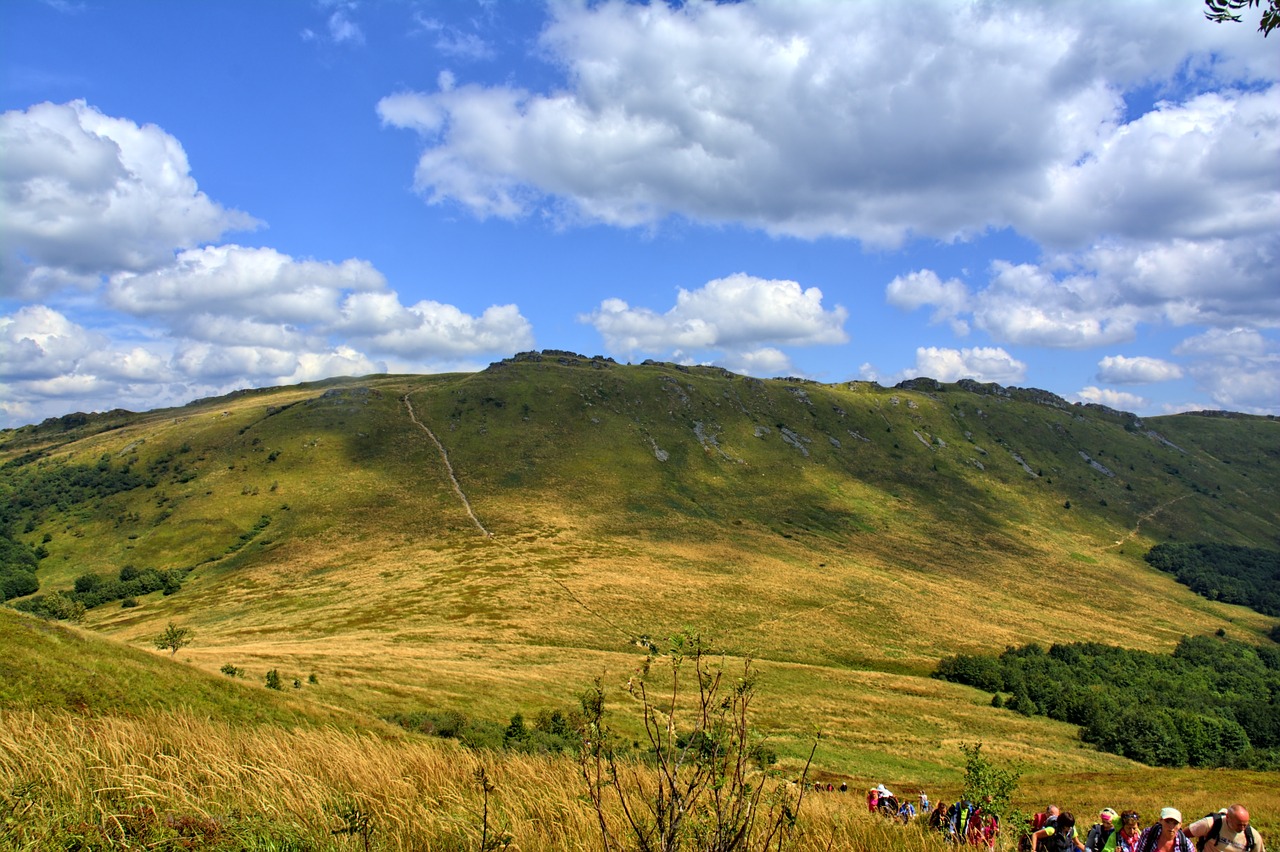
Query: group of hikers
1228	830
1055	830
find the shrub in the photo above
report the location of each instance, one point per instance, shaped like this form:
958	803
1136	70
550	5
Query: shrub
707	791
273	679
17	584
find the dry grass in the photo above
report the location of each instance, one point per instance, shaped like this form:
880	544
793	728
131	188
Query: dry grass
66	773
97	774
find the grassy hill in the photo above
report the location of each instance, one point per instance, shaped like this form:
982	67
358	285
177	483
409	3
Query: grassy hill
845	536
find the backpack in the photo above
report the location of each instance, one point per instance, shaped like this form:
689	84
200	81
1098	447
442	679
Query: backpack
1216	831
1059	841
1037	823
1098	837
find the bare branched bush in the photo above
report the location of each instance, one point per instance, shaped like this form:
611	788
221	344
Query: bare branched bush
702	779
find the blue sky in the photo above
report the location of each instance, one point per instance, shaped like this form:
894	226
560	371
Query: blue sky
204	196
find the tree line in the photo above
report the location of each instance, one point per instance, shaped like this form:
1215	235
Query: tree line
1248	576
1212	702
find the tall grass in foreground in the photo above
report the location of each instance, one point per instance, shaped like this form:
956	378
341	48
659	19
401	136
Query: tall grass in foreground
168	781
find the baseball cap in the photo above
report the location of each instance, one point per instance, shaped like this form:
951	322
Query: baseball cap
1171	813
1108	814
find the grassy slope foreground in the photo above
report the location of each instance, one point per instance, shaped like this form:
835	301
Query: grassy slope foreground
844	536
114	748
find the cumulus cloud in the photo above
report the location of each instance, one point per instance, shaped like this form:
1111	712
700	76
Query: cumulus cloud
1239	368
1119	400
765	361
1199	170
252	284
1122	370
1241	384
432	329
39	343
983	364
1099	297
739	312
924	287
86	194
1235	342
110	206
857	121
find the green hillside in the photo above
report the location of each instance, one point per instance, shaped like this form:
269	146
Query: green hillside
51	667
845	536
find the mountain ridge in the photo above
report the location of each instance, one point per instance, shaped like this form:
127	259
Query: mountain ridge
826	530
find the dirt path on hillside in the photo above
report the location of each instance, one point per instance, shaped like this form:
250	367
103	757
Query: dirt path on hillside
1145	517
457	488
629	635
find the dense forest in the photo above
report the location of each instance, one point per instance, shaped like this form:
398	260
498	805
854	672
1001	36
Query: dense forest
1213	702
1248	576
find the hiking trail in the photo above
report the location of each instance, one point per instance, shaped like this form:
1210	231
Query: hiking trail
1145	517
457	487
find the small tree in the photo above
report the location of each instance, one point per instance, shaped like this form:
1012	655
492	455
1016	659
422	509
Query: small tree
273	679
990	787
174	638
703	785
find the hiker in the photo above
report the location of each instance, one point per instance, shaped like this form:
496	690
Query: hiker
958	820
990	829
1059	834
844	787
1037	822
924	802
938	819
1130	832
1165	836
873	799
1226	831
1102	835
973	831
907	812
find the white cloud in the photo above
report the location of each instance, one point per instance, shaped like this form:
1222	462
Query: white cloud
1199	170
84	195
108	206
1241	384
866	121
1123	370
1099	297
39	343
430	329
983	364
251	284
738	312
1239	368
764	362
924	287
1119	400
1236	342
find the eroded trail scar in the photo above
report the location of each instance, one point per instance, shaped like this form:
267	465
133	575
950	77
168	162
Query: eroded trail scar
457	488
